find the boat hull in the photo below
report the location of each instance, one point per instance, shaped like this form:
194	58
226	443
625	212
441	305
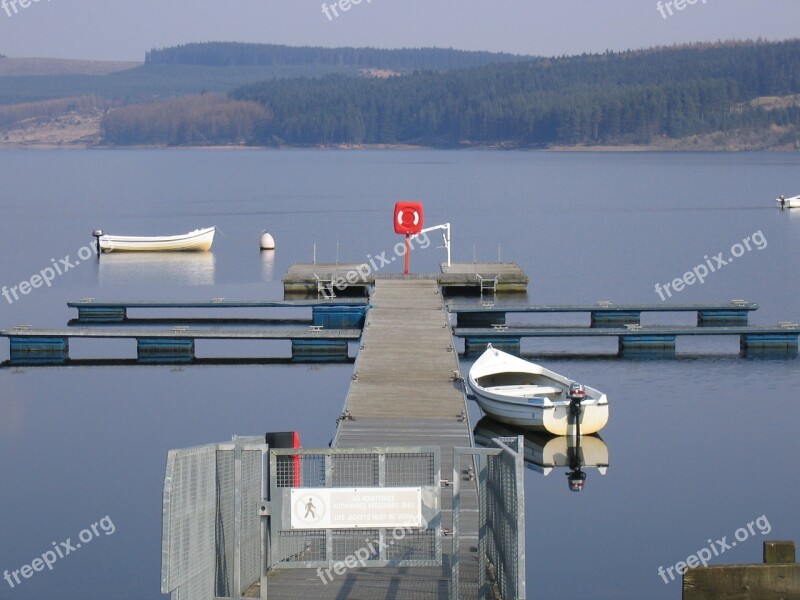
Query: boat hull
553	419
521	393
199	240
789	202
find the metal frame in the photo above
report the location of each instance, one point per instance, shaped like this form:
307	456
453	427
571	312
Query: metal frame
488	284
280	506
324	288
238	446
513	586
445	235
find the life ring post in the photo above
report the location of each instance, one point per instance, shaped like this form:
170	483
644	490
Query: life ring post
408	251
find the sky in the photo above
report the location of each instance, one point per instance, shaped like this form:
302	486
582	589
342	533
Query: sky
125	30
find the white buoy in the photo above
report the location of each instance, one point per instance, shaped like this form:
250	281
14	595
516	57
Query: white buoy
267	241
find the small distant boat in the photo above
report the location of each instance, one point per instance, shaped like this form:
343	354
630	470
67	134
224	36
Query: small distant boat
198	240
518	392
793	202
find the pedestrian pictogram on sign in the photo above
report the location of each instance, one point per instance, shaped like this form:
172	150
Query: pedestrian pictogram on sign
352	508
308	509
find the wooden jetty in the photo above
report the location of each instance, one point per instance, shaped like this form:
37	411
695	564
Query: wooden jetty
341	313
51	346
406	391
778	577
331	280
604	314
634	338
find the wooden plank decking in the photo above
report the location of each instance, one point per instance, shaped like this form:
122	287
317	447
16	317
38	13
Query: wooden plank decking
403	394
301	279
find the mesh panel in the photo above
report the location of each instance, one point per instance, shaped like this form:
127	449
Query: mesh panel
347	542
189	510
417	545
224	522
415	467
354	470
503	543
306	470
196	587
410	469
198	539
301	546
252	465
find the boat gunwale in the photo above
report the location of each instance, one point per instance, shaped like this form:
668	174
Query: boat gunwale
132	239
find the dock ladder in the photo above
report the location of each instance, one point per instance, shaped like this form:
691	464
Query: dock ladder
488	284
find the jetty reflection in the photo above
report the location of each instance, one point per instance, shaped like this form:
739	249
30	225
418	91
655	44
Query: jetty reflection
544	453
177	268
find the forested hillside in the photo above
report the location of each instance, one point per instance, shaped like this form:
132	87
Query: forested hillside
228	54
611	98
715	96
205	120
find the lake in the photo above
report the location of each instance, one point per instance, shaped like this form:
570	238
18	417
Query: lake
699	445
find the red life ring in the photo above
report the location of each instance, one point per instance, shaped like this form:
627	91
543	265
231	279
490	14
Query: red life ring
408	218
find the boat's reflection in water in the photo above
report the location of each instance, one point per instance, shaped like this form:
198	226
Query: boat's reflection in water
174	268
545	453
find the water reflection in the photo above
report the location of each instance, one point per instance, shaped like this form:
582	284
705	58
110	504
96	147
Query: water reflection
545	453
267	265
175	268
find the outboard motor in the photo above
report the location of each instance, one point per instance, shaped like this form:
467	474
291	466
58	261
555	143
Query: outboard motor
576	391
576	480
97	234
576	394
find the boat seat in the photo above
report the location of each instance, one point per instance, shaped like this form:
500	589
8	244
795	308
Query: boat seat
525	390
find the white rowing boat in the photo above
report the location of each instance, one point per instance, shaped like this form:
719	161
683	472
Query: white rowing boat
198	240
793	202
519	392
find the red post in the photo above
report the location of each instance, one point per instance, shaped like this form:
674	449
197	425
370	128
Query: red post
408	251
298	468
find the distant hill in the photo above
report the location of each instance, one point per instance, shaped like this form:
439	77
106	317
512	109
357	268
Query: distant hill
722	96
601	99
53	66
212	67
233	54
148	83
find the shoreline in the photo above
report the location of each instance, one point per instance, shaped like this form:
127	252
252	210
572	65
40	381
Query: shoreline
625	148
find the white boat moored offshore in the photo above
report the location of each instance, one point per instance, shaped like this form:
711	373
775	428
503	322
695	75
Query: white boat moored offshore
793	202
519	392
198	240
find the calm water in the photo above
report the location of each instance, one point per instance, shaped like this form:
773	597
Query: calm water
699	446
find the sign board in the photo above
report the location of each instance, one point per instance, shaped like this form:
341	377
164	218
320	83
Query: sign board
408	218
355	508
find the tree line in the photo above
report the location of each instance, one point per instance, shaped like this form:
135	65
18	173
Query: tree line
632	97
228	54
202	120
614	97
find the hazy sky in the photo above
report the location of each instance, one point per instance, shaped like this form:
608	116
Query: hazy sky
124	30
